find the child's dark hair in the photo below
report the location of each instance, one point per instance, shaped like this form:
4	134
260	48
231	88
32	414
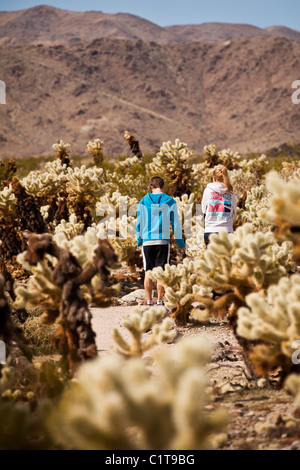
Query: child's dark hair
157	182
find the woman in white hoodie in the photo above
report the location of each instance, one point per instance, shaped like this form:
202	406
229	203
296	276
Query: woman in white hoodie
218	203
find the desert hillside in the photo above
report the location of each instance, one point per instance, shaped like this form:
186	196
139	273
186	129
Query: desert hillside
235	93
48	25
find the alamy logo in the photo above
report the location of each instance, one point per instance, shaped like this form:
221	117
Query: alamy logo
295	355
2	93
2	352
296	94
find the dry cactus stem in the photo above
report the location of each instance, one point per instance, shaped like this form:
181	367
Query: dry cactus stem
6	327
62	152
75	336
27	211
9	282
7	172
133	144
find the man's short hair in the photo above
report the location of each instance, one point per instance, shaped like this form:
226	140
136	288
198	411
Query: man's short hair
157	182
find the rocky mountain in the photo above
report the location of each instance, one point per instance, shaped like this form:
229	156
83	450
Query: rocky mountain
48	25
234	92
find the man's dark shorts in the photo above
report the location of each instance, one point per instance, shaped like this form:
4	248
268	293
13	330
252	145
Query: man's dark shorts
156	255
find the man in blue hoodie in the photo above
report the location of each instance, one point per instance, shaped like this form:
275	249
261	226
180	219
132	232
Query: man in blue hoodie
156	211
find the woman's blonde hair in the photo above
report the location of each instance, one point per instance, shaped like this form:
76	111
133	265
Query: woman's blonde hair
220	173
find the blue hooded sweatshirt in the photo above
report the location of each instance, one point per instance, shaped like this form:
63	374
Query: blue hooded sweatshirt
155	213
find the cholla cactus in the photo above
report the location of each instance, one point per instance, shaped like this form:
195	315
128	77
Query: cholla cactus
85	180
224	157
133	186
40	184
193	222
122	235
62	152
296	175
75	337
240	263
117	404
133	144
40	291
116	199
83	248
229	158
130	161
292	384
140	322
257	204
211	153
83	186
173	162
242	181
285	209
7	172
70	229
255	165
273	319
181	287
8	202
290	170
94	147
128	252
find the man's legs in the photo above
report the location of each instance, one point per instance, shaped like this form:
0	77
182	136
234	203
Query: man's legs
155	255
148	284
160	291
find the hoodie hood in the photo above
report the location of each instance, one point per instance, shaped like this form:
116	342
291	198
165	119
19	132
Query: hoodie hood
159	198
218	187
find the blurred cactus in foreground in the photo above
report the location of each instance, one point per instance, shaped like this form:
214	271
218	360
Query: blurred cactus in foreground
118	403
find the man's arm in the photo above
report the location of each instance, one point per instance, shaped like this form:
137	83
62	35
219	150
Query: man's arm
204	202
234	204
176	226
139	225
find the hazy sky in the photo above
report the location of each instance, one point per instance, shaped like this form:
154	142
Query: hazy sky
256	12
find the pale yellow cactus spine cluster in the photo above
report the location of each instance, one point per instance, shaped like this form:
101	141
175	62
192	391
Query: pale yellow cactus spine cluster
62	148
7	202
70	229
40	291
85	180
137	324
181	286
171	158
94	147
244	258
274	317
285	199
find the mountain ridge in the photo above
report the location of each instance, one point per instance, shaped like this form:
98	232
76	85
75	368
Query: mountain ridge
235	93
49	25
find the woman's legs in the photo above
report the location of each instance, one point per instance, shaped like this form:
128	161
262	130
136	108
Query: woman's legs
206	237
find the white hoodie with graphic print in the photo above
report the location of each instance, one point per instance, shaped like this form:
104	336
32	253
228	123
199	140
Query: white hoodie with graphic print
219	207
